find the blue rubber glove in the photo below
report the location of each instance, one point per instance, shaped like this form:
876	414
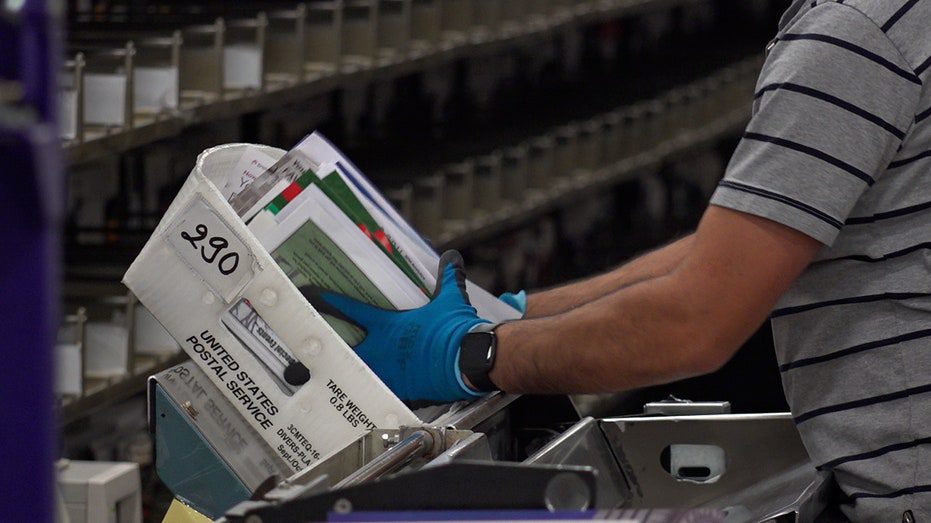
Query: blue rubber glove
518	301
416	352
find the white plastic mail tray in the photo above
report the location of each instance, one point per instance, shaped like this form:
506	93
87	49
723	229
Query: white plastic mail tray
200	261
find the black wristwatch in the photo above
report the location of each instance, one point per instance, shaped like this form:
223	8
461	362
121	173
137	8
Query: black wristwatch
477	356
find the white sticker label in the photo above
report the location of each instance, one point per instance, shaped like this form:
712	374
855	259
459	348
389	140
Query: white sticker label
104	99
210	248
242	66
155	88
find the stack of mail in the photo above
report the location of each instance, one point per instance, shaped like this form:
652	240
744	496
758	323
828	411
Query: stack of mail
329	229
234	272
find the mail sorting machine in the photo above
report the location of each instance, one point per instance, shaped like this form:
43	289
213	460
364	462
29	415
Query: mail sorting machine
501	452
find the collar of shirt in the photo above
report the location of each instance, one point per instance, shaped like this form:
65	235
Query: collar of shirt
791	13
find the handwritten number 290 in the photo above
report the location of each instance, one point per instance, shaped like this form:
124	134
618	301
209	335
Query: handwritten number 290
227	263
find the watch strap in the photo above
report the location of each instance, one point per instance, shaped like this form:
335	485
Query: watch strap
485	327
477	355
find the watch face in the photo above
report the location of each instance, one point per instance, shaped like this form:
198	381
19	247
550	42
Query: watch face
477	357
480	346
490	353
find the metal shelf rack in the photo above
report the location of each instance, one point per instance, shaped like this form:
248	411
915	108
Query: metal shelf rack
418	48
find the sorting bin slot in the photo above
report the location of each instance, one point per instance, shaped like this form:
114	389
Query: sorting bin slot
202	62
107	87
284	45
428	205
488	182
487	15
514	169
359	33
322	40
460	195
394	28
457	19
244	53
426	23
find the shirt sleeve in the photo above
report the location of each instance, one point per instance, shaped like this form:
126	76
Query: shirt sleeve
833	103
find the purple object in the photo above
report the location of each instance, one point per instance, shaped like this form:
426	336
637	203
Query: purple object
31	206
30	49
28	285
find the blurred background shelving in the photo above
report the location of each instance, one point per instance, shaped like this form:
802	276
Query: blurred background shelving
547	139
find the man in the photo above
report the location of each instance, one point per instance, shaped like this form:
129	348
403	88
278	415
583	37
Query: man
822	223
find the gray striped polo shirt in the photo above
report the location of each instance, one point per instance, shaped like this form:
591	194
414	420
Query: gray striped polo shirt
839	148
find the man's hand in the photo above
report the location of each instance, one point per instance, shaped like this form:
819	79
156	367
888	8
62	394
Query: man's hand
416	352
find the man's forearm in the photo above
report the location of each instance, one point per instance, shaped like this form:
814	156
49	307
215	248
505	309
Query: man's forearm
630	338
683	323
564	298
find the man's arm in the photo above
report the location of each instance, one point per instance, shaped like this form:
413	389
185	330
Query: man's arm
686	322
567	297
